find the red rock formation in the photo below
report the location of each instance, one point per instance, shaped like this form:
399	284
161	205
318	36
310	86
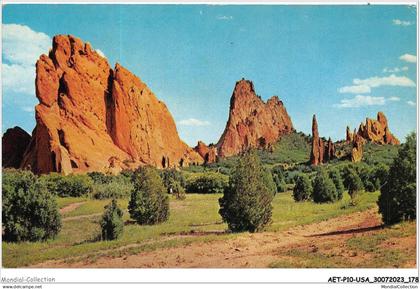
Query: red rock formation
349	135
317	150
329	151
252	123
14	143
208	153
357	148
93	118
377	131
321	152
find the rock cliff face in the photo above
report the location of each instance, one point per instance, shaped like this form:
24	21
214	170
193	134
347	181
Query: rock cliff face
252	123
14	143
208	153
94	118
321	152
375	131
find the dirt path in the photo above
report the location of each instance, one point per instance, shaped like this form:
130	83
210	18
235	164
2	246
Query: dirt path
247	250
71	207
81	217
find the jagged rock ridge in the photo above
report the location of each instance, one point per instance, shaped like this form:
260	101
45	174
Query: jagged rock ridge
252	123
375	131
94	118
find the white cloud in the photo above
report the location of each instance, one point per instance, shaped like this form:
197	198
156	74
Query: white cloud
365	85
354	89
193	122
18	78
224	17
402	22
411	103
361	100
391	80
22	45
28	108
408	58
100	53
394	98
395	69
21	49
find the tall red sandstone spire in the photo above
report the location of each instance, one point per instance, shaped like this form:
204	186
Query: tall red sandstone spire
316	144
321	152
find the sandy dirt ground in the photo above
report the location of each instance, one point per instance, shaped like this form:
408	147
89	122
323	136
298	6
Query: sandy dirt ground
256	250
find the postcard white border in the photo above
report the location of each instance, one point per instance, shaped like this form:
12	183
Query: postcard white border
222	278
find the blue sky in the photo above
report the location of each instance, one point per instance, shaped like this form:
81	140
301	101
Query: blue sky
342	63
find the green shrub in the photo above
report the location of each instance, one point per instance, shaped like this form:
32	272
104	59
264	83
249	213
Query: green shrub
29	210
281	185
207	183
380	175
112	190
397	201
366	174
303	188
51	181
347	172
149	203
323	188
112	224
127	173
269	181
177	190
100	178
353	182
68	186
171	176
246	203
370	185
278	170
338	182
279	179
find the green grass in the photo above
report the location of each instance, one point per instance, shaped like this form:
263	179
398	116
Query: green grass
288	213
79	237
62	202
93	207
